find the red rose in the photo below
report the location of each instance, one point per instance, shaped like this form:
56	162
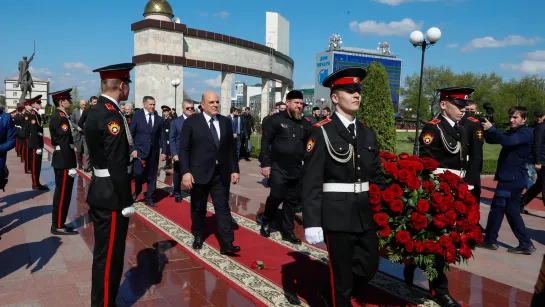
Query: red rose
403	155
470	200
450	258
374	189
385	231
436	198
403	236
444	187
388	156
450	249
459	207
376	208
463	192
404	176
445	241
390	168
414	183
419	246
374	199
473	216
429	163
423	206
412	166
396	190
466	252
418	221
476	235
462	224
440	221
387	196
440	207
465	238
430	246
396	206
455	237
381	219
451	217
409	246
428	186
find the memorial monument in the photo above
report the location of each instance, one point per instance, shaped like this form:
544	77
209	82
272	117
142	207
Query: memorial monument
25	78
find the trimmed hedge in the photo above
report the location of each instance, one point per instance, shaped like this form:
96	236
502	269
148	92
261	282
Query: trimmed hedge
489	166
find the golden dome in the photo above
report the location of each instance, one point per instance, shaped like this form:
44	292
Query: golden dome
158	7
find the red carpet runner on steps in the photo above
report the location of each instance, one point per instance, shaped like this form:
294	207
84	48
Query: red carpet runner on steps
293	271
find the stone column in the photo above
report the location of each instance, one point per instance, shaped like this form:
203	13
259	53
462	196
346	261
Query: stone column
155	80
284	91
264	98
226	86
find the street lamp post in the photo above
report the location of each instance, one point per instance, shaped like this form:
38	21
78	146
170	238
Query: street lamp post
175	83
417	39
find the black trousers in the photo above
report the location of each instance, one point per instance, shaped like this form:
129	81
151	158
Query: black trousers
220	198
244	153
110	228
438	286
147	173
477	191
286	191
61	197
353	259
535	189
35	165
24	156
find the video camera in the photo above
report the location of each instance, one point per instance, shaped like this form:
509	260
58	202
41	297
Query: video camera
489	113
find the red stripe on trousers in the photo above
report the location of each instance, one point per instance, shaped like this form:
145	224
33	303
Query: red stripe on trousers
109	259
59	211
26	155
34	167
331	279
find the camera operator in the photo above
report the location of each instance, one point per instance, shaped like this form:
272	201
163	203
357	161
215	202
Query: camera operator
512	176
538	156
475	140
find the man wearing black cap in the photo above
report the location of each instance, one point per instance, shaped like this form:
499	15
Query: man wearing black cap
35	131
475	140
63	162
167	117
342	159
24	123
282	153
109	197
445	140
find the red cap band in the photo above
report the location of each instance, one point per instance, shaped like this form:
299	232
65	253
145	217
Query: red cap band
115	74
346	81
455	96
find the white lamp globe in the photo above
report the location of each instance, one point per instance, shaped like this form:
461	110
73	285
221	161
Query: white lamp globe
433	35
416	38
175	82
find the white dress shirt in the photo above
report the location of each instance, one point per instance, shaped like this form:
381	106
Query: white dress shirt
450	121
216	123
147	117
347	122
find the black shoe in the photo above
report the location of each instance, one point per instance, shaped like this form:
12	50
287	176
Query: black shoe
197	242
290	237
489	246
265	228
178	199
522	250
229	249
248	159
40	187
446	301
150	203
408	275
63	231
87	170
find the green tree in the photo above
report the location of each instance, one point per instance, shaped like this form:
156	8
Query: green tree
75	99
376	109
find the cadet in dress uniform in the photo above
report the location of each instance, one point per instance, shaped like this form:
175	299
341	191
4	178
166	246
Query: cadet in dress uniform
24	134
17	122
342	159
475	140
63	162
167	116
282	154
109	197
444	140
35	131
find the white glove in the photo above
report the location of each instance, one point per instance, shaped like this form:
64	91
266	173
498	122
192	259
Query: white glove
128	211
39	151
314	235
72	172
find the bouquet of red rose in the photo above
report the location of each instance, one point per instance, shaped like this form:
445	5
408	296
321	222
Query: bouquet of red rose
421	215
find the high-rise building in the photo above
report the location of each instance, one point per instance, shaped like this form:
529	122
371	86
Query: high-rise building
277	36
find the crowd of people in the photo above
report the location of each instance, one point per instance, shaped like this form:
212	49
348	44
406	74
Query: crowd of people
323	163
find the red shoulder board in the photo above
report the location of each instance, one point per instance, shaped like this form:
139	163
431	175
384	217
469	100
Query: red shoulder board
434	122
323	122
473	119
33	113
363	123
62	114
306	118
110	107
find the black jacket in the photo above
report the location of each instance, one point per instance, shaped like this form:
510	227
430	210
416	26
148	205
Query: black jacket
475	139
35	130
538	148
64	156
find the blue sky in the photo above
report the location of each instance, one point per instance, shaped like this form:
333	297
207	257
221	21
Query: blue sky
74	37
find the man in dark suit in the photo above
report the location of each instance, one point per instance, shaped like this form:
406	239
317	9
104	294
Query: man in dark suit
174	135
147	131
208	158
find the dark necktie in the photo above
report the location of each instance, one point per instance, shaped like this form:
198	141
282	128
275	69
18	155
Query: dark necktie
351	128
214	133
235	124
150	123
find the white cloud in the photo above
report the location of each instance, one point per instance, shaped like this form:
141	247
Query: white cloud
305	86
77	67
190	74
215	83
490	42
394	28
538	55
222	14
193	90
40	73
202	14
398	2
526	66
453	45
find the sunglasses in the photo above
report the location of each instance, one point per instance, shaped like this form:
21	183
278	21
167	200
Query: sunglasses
190	108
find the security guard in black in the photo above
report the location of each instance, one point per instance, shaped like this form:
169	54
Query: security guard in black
281	157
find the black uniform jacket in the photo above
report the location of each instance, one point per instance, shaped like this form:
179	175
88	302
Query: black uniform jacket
35	130
433	137
339	211
475	140
61	135
24	124
166	129
283	144
106	137
19	121
538	147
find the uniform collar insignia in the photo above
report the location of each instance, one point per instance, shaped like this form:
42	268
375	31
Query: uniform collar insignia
110	107
435	121
323	122
473	119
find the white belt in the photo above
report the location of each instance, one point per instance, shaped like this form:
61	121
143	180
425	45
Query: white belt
105	173
58	147
166	130
356	187
442	170
41	134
